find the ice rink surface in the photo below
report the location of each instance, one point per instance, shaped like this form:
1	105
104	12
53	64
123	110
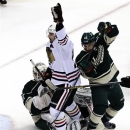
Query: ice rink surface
23	25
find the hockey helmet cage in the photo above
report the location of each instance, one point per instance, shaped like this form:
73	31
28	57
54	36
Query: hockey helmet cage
87	38
42	68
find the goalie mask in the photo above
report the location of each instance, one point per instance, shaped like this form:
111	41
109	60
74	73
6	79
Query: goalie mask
42	68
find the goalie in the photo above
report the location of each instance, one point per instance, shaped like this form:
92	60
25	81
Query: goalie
36	98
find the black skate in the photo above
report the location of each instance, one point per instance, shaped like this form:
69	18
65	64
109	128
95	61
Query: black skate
83	124
3	1
88	128
109	125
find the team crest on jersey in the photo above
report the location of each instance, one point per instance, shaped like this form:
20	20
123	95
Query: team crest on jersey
50	55
99	59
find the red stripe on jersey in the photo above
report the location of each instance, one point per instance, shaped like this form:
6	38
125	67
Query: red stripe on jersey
63	98
58	75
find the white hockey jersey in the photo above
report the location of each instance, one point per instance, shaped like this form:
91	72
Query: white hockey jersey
60	54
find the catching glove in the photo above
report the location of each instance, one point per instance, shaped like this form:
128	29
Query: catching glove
42	90
104	27
57	13
125	82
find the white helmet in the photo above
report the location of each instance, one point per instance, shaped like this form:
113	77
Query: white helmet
51	29
42	68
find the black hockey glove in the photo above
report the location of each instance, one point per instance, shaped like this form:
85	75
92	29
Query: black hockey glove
125	82
86	66
104	27
48	74
57	13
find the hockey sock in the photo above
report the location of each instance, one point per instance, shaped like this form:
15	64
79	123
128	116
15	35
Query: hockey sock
110	113
94	120
73	111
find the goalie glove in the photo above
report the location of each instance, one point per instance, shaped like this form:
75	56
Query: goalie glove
104	27
57	13
42	90
125	82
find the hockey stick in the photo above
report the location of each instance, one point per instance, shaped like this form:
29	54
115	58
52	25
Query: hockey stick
47	81
91	85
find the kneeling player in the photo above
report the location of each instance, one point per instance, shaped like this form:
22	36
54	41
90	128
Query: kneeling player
35	101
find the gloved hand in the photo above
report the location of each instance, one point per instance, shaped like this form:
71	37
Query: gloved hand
125	82
57	13
43	90
85	66
48	74
104	27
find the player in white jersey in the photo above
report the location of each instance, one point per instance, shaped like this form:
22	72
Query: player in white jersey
64	72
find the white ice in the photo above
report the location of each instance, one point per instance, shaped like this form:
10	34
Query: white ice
23	25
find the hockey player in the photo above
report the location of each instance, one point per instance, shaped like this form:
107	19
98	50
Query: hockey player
64	72
100	68
3	1
35	101
125	82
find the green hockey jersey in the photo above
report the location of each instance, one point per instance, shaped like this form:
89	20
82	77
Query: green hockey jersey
100	59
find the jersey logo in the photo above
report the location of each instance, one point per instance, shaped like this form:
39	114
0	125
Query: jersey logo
100	56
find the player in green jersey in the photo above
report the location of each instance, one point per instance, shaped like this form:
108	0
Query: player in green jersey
98	67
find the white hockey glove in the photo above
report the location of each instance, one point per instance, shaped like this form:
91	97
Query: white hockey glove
42	90
41	102
74	125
